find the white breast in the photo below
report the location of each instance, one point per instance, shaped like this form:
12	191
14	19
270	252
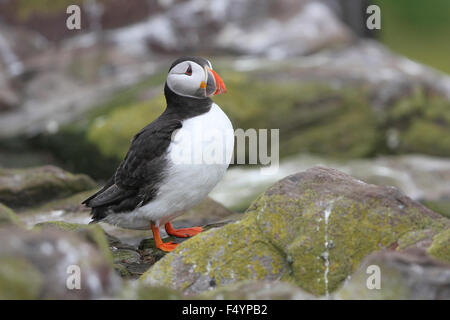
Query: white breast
198	157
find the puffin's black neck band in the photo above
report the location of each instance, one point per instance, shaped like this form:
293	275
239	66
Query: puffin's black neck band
185	107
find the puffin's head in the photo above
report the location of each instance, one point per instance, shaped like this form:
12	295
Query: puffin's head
194	77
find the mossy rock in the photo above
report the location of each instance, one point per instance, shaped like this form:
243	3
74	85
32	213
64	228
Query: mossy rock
422	122
112	133
93	233
19	279
335	118
37	264
71	204
311	229
7	216
416	239
405	275
440	247
32	186
313	116
330	121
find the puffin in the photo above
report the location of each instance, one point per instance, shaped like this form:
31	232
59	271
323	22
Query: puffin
158	180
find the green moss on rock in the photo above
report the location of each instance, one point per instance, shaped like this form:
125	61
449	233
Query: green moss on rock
311	229
32	186
7	216
112	133
19	279
422	121
439	206
440	247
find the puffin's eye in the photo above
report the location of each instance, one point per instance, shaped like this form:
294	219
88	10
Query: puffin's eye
189	71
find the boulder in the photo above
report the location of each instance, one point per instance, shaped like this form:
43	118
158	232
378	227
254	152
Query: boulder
406	275
38	265
91	233
258	290
440	246
131	252
32	186
423	178
331	103
7	216
312	229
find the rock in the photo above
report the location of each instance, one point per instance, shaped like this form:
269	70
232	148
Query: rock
71	210
31	186
67	209
8	217
440	247
8	99
311	228
206	212
416	239
133	291
407	275
422	178
126	249
258	290
334	103
91	233
38	265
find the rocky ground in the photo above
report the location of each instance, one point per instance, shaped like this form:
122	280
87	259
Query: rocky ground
340	99
311	235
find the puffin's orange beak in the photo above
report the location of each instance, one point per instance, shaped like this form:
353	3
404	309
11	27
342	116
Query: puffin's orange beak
220	85
213	84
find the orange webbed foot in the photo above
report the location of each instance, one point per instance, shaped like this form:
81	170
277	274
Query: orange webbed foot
164	246
167	246
183	232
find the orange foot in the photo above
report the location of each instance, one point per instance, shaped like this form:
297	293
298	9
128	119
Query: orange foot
182	233
164	246
167	246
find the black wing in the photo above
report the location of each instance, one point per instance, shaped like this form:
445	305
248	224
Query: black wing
136	180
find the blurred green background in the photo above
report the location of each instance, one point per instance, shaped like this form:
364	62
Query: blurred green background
418	29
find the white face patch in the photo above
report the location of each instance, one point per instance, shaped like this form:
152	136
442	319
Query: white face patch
185	79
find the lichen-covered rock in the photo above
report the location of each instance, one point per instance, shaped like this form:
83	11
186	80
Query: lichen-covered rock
39	265
312	229
7	216
19	279
440	247
31	186
258	290
404	275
